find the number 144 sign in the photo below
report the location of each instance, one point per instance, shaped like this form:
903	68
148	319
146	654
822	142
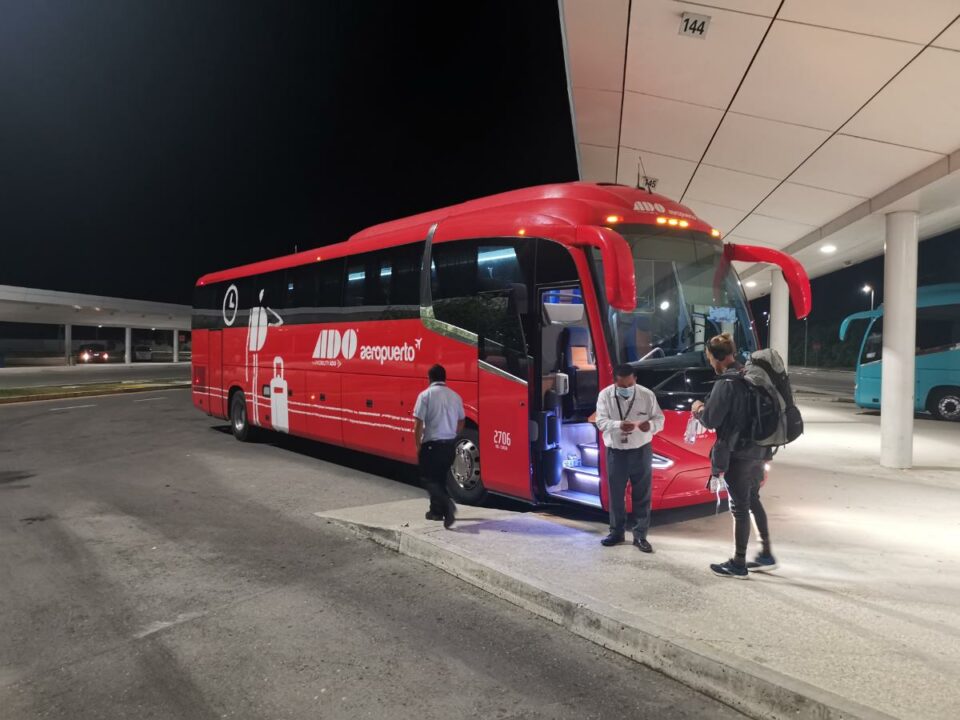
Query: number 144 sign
694	25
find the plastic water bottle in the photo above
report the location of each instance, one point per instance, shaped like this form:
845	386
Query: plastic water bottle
693	431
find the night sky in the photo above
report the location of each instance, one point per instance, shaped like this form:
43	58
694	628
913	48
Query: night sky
143	144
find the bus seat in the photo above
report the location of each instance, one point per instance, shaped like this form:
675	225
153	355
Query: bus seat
579	365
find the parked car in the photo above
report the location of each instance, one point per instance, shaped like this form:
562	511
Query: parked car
93	353
142	352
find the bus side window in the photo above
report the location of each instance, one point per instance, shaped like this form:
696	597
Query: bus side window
938	328
873	347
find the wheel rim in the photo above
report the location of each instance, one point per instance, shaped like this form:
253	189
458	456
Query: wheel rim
239	415
949	407
466	465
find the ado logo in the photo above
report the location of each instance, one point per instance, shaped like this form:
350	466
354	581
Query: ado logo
333	344
501	439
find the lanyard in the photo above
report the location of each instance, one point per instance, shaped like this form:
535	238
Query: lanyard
629	407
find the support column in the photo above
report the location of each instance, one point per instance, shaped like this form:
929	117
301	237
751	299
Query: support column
128	345
176	346
68	344
779	315
897	388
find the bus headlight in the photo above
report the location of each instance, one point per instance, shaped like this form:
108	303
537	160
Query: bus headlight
661	463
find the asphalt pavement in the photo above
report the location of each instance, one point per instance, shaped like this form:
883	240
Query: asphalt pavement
154	567
826	381
63	375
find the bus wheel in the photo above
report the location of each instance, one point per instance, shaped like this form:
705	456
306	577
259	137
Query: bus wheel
239	423
463	481
945	404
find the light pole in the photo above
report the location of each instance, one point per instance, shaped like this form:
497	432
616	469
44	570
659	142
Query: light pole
868	289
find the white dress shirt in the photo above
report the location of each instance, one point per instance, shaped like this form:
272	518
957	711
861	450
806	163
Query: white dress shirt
643	408
440	409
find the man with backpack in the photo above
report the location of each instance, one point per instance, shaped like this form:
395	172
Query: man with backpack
736	456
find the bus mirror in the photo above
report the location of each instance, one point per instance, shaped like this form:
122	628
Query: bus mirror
567	313
561	383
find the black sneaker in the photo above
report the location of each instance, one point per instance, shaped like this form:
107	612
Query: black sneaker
431	515
611	540
763	563
642	545
730	569
450	515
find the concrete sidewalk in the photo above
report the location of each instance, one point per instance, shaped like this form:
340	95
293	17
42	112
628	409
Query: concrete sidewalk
861	620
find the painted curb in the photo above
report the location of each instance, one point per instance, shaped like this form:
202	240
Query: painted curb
753	689
91	393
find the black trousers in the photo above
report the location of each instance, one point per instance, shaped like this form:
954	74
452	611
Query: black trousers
634	465
743	483
436	457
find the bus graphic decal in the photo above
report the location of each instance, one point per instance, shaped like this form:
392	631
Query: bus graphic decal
333	344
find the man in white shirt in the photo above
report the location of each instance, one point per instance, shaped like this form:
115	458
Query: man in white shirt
629	416
438	422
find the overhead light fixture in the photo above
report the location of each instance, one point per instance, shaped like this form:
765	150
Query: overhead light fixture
715	233
665	305
828	249
751	283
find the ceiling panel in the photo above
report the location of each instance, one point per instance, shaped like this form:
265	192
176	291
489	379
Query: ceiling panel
705	70
917	21
951	38
783	146
672	174
597	164
722	218
598	116
816	77
861	167
729	188
808	205
756	7
596	35
771	231
913	109
666	126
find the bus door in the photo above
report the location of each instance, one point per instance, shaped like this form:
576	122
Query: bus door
568	443
503	390
216	401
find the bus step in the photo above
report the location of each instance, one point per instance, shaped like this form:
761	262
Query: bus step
581	498
589	454
583	479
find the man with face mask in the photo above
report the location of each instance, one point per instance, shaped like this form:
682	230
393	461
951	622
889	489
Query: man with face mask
629	416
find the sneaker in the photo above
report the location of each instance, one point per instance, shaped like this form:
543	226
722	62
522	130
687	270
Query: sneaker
730	569
763	563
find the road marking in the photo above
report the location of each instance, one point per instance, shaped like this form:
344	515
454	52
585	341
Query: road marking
70	407
149	399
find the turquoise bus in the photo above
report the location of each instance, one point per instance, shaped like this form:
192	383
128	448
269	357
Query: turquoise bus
938	352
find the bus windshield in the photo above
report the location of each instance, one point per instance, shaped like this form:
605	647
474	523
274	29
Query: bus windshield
686	294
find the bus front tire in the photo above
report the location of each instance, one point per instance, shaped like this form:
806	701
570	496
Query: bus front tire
944	404
239	422
463	480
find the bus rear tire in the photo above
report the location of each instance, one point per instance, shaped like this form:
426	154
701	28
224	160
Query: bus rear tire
463	480
944	404
239	422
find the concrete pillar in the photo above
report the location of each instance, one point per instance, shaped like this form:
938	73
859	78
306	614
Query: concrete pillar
68	344
176	346
897	388
779	315
128	345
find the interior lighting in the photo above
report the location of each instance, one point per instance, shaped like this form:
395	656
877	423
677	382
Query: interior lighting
665	305
611	219
673	222
661	221
751	283
828	249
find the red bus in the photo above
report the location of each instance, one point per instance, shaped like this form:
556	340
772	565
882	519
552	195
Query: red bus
528	298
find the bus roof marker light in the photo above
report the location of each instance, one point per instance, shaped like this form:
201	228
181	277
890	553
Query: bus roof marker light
612	219
673	221
661	221
714	232
522	231
684	223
